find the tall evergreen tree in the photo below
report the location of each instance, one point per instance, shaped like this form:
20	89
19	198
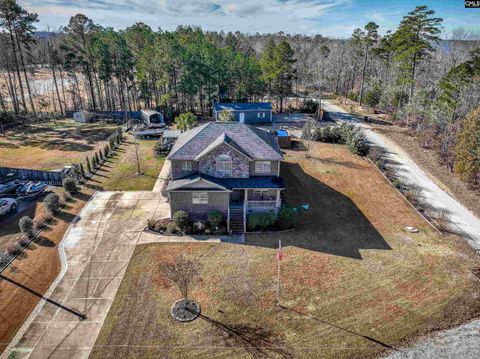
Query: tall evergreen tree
413	41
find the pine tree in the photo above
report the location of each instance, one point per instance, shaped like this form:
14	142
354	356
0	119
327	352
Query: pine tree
467	150
369	40
97	160
413	40
283	67
82	169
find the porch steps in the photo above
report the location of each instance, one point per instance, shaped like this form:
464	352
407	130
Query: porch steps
236	219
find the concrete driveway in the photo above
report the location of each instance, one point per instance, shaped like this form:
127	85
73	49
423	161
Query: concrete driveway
95	254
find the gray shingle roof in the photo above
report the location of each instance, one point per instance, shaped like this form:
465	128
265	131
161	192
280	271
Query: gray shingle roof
258	144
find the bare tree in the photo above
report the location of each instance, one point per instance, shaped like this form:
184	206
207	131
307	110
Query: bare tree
183	272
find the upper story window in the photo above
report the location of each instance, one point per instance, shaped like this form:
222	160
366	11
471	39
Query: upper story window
186	166
263	167
261	114
224	165
199	197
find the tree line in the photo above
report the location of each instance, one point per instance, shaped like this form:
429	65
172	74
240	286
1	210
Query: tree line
424	82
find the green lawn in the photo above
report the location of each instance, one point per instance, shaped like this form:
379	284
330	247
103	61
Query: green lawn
354	281
119	173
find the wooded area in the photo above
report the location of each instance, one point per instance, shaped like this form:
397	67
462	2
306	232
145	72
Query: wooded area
425	79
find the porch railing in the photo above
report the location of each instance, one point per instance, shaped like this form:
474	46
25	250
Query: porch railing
261	205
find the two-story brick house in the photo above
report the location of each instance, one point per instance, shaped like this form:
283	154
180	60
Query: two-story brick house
226	166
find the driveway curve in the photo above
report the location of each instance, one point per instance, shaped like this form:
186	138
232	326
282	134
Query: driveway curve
461	220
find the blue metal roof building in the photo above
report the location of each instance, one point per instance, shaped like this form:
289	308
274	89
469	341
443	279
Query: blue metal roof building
247	112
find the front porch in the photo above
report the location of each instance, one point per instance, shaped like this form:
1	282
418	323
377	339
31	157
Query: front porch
246	200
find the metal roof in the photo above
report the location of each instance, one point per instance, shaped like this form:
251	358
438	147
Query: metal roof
243	106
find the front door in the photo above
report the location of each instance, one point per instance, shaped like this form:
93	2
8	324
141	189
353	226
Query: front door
237	196
242	117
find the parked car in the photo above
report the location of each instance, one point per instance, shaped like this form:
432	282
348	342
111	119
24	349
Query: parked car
7	205
31	188
10	187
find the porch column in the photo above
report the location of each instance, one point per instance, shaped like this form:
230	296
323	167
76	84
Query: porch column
279	201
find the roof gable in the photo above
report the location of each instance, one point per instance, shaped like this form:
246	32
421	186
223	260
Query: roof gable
223	139
255	143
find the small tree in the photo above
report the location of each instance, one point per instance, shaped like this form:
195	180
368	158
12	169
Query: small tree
308	134
185	121
183	272
100	155
97	160
69	185
225	116
26	226
82	169
89	165
52	203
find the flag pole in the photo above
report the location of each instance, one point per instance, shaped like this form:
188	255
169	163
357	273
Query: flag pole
278	270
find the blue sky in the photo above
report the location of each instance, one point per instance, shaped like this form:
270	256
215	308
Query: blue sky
334	18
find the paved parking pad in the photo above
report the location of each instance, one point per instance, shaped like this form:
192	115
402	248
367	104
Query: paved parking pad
97	250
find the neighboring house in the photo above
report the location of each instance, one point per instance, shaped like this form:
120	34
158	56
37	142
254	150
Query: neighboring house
230	167
255	112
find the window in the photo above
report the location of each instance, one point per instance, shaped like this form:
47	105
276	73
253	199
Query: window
261	114
261	192
186	166
263	167
199	197
224	165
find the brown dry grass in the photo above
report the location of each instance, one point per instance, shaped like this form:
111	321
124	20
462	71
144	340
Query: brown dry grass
30	275
354	281
49	146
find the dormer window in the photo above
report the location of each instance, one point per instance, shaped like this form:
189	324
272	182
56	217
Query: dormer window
224	166
186	166
264	167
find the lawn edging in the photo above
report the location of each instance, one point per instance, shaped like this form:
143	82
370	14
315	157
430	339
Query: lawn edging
429	220
63	269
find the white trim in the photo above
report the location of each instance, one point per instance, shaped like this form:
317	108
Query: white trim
198	180
278	168
201	198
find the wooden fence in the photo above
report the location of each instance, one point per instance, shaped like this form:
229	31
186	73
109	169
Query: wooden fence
51	177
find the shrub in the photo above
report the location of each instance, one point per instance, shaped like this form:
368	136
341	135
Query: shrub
397	183
260	220
14	249
96	159
26	226
69	185
310	106
40	222
222	229
373	96
171	228
287	217
82	169
180	218
24	241
352	96
199	227
375	154
357	144
89	166
52	203
161	225
215	218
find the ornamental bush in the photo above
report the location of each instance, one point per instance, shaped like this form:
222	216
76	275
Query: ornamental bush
26	226
215	218
180	218
52	203
260	221
357	144
69	185
287	217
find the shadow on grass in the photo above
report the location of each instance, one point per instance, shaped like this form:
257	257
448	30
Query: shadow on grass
366	337
257	341
333	224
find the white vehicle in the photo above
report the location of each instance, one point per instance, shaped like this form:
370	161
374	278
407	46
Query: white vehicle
7	205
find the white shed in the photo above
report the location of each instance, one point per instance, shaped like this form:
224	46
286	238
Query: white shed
152	118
